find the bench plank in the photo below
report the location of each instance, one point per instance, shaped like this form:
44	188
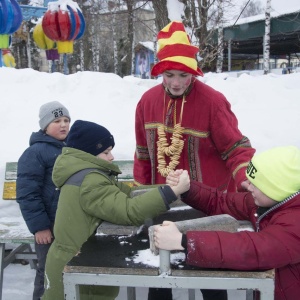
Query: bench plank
9	190
126	167
9	187
14	230
11	171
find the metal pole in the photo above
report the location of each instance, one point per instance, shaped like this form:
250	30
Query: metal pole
66	71
53	66
229	55
164	262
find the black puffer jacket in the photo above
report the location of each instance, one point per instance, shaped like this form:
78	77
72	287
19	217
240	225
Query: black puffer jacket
36	193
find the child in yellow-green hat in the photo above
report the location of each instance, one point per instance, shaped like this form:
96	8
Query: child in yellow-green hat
272	205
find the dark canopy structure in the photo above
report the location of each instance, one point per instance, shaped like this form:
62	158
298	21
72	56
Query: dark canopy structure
247	38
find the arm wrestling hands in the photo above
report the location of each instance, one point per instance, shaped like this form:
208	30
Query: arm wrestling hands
167	236
179	182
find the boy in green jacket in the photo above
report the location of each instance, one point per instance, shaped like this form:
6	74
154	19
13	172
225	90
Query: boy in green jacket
90	194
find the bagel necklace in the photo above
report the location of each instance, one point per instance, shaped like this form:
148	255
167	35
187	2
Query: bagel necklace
174	149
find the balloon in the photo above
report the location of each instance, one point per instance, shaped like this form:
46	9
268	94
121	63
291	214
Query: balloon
42	41
10	21
50	25
75	23
17	20
10	16
63	24
82	25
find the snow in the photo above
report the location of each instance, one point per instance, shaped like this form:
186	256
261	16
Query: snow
148	258
267	107
63	5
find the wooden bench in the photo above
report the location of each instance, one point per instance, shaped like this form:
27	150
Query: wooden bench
9	187
13	230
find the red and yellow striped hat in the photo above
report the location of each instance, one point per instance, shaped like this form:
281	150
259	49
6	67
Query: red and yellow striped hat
175	51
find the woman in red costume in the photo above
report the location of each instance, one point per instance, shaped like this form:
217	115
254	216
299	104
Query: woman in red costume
185	124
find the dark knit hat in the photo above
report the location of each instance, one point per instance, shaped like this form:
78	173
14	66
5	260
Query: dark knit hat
51	111
89	137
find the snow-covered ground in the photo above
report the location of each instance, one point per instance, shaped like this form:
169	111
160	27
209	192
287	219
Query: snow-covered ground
267	107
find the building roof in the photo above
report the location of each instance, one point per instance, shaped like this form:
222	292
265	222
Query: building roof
247	37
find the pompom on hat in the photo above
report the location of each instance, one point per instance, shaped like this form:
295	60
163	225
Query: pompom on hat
89	137
51	111
276	172
175	51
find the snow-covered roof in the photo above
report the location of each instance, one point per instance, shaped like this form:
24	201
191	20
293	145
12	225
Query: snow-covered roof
260	17
148	45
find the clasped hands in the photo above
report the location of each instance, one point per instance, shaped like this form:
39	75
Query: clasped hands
167	236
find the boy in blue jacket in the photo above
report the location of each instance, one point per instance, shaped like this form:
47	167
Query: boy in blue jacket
36	194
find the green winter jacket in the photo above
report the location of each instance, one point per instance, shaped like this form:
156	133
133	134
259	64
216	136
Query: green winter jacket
85	201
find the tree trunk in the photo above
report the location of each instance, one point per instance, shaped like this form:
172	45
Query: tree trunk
161	13
267	38
116	64
220	49
28	48
130	38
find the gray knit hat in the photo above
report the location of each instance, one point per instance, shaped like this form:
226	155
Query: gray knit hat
51	111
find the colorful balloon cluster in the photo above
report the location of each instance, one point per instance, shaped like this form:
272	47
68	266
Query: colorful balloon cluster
63	23
10	21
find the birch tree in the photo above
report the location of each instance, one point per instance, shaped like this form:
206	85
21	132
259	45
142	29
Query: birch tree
95	49
161	13
112	8
267	38
220	47
130	37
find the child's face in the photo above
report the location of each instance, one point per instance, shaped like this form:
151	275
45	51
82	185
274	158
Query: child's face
106	155
176	81
260	198
59	128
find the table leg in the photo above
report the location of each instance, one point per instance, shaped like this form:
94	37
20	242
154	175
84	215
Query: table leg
249	294
192	294
71	289
33	264
2	255
131	295
266	292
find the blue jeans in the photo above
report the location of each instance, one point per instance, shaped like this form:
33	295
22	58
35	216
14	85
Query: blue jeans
41	252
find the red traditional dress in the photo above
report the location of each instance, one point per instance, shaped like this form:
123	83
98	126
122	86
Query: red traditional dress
214	151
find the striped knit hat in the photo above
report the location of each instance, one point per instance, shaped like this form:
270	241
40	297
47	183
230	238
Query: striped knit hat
175	51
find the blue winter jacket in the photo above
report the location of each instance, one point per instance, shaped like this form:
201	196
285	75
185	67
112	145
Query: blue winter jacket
36	193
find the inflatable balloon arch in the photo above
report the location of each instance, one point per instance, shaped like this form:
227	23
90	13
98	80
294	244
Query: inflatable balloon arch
62	24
